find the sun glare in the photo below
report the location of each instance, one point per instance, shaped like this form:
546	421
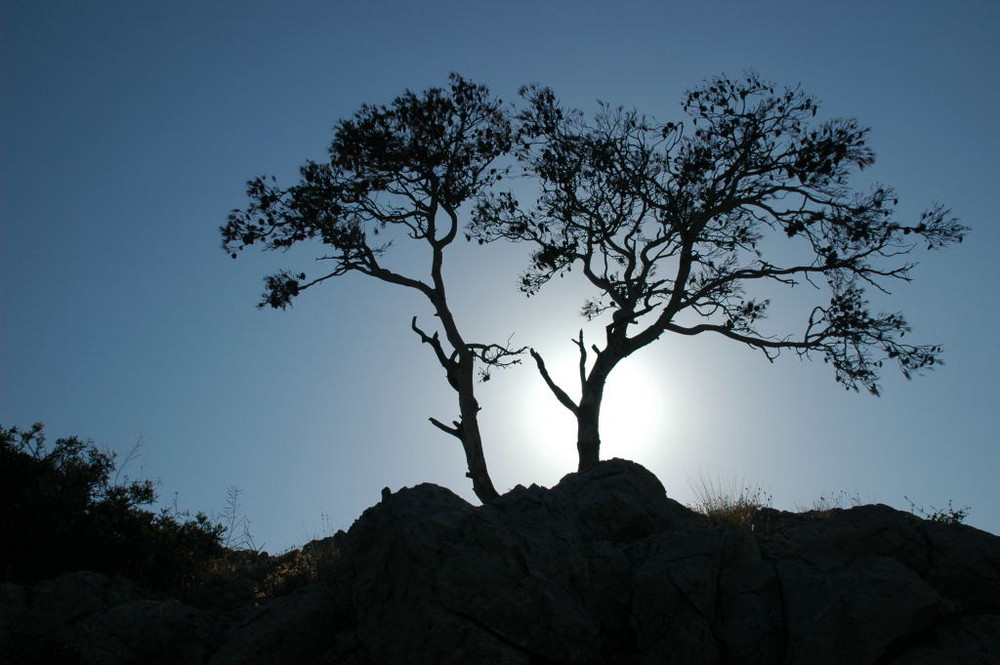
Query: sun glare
635	411
633	416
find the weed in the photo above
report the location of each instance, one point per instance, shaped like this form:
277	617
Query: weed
836	500
951	515
237	525
735	504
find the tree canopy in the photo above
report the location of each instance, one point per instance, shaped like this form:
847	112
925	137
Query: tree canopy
676	224
407	167
680	227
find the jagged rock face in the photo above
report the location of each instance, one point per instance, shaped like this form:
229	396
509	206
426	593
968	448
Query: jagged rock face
602	568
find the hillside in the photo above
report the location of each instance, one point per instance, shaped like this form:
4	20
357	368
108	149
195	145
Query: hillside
601	568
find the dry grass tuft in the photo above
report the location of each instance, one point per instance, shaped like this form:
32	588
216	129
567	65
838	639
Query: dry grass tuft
830	502
733	504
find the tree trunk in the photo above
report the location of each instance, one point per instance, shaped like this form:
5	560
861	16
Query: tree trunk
460	367
472	442
588	411
468	429
588	440
588	421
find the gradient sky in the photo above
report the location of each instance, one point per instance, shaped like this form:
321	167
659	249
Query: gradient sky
130	128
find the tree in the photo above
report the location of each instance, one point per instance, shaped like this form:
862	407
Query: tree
405	169
673	225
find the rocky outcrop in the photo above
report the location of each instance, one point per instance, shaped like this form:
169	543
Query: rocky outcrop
88	617
601	569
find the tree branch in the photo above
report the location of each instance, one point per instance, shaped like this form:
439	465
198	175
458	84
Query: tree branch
583	358
455	431
435	343
560	394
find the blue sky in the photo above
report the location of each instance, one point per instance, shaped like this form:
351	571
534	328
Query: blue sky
130	128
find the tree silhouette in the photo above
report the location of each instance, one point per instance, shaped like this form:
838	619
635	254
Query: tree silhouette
673	224
406	168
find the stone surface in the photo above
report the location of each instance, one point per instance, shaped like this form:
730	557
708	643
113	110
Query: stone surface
90	618
601	569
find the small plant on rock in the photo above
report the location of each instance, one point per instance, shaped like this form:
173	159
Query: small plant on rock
950	515
836	501
735	504
237	535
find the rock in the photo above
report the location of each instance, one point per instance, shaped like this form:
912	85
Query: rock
968	640
13	612
91	618
154	631
603	568
297	628
72	596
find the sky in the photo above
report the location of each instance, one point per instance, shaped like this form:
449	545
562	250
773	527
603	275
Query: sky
129	130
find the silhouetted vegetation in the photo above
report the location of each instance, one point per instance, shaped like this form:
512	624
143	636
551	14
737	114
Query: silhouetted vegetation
672	224
61	510
397	172
949	515
733	504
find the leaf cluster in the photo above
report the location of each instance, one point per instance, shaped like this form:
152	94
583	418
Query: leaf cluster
407	166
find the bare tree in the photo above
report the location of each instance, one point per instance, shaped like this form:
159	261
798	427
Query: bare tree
673	225
407	168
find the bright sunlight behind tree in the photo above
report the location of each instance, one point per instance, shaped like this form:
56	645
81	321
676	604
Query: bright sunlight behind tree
679	228
675	225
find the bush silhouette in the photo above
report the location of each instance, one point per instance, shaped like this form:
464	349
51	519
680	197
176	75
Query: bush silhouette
61	510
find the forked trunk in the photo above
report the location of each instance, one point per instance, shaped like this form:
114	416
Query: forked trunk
588	421
460	368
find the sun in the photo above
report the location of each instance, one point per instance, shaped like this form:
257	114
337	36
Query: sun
634	413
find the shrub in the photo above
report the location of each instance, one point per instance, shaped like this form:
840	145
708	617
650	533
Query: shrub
61	510
298	568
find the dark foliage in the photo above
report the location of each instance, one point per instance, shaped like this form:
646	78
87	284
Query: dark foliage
61	510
